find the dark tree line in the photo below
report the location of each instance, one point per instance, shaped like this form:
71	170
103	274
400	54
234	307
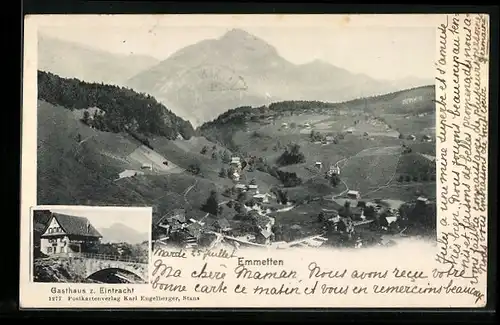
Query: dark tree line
123	108
291	155
300	105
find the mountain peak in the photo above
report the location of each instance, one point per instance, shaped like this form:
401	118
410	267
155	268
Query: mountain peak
237	33
239	40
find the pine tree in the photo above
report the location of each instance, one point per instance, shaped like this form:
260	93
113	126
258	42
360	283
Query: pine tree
212	204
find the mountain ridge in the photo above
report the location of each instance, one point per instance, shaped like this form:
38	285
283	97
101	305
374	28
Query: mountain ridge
121	233
202	80
75	60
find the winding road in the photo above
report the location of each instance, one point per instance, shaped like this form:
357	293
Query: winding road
189	189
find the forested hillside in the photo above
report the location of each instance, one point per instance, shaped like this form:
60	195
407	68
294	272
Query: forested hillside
120	109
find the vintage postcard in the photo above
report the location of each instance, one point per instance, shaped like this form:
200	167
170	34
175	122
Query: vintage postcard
183	161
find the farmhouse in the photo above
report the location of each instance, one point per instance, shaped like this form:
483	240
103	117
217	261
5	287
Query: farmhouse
426	138
129	173
222	225
350	130
67	234
253	188
354	195
240	187
334	170
318	164
262	198
235	162
412	137
147	166
173	221
284	125
422	200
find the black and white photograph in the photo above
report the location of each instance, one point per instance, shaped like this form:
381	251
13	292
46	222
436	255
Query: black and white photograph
247	135
90	245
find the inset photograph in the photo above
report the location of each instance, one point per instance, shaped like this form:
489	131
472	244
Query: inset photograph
91	244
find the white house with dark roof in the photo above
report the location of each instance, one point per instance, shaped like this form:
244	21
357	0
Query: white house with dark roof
253	188
129	173
235	162
240	187
422	200
148	166
262	198
66	234
222	225
354	195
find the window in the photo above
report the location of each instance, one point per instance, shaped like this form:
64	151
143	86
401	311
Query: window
49	249
61	249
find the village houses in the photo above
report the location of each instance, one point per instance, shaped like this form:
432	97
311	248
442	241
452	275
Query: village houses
222	225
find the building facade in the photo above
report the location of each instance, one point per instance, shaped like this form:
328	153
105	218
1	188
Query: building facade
67	235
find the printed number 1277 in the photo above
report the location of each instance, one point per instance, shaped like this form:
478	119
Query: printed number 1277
55	298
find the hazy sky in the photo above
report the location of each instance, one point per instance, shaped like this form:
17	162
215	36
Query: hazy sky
382	47
138	219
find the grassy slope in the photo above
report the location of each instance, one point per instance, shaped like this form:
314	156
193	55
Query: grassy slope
394	103
69	173
415	164
360	173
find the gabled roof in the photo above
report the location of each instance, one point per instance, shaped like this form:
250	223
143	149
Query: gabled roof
223	223
194	229
178	215
266	233
73	225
